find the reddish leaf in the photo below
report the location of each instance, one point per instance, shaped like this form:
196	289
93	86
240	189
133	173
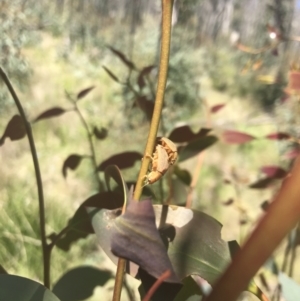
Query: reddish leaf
217	108
189	236
285	98
122	57
114	77
144	71
71	162
234	137
275	172
185	134
56	111
122	160
292	154
294	81
278	136
84	92
134	245
15	129
100	134
147	106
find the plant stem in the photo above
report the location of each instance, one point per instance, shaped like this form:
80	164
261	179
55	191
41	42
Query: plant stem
46	251
156	285
92	149
167	6
161	86
119	279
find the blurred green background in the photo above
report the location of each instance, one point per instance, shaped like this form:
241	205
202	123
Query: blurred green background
49	48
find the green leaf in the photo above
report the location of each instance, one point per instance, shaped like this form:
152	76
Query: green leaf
190	291
183	175
2	270
290	288
193	239
112	75
15	288
196	146
79	226
179	193
197	247
79	283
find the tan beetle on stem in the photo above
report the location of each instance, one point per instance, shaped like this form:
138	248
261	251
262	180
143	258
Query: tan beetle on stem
170	148
160	165
165	155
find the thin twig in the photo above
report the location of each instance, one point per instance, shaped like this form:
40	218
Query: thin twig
119	279
161	86
46	251
91	144
156	285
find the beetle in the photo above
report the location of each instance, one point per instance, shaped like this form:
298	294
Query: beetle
170	148
159	165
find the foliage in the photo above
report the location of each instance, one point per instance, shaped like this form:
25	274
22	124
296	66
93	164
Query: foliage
177	252
242	74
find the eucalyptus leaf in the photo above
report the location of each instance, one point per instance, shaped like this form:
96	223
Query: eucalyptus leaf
190	291
15	129
194	147
16	288
290	288
193	239
79	283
